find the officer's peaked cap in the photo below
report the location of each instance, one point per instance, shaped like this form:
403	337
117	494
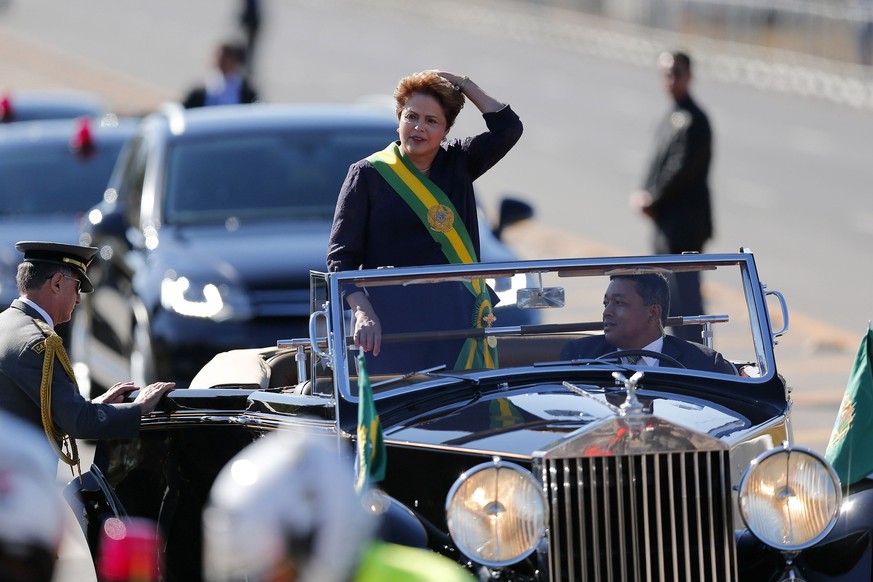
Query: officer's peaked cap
75	256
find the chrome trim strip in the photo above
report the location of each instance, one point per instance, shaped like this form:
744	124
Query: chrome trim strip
568	522
465	451
698	526
620	510
646	521
583	538
592	480
673	533
634	519
568	505
683	485
255	420
731	570
712	543
555	558
659	519
603	463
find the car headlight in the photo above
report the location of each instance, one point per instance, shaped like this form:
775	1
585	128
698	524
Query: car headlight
790	498
218	302
496	513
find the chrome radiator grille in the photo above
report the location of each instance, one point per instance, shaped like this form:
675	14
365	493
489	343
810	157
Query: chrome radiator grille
647	517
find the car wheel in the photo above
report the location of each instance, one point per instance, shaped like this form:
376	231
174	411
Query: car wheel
142	360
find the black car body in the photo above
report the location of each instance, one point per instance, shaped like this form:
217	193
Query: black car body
541	469
51	174
211	224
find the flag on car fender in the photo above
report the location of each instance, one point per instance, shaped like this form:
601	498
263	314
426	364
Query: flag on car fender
370	457
849	449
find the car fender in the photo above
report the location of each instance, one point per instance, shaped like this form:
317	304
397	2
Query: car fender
399	524
93	501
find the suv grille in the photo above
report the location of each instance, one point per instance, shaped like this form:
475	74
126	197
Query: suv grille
663	516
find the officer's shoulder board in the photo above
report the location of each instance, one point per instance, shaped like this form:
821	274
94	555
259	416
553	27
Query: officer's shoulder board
39	347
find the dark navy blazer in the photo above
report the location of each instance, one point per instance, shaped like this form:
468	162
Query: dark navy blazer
691	355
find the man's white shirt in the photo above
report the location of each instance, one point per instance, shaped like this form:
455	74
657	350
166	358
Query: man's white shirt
655	346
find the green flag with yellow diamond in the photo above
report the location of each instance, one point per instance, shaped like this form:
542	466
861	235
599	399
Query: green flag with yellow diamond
850	449
370	458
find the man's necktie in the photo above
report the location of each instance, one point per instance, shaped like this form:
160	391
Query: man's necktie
631	360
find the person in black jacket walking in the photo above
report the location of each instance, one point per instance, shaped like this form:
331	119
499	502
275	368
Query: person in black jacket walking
675	195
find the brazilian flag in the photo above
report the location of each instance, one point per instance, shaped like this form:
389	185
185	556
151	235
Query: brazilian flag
849	449
370	458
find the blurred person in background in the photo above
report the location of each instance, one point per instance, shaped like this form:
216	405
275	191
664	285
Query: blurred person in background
37	382
675	195
285	510
250	21
31	508
227	84
399	208
865	32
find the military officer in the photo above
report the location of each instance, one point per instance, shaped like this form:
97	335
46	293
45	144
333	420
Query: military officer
36	377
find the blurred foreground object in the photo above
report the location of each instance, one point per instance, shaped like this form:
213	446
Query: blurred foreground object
285	509
130	551
31	518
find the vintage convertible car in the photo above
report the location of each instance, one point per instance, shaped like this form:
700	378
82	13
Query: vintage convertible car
540	468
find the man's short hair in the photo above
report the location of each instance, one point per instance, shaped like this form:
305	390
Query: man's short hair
654	290
32	276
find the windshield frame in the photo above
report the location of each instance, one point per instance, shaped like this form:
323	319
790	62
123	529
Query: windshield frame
761	335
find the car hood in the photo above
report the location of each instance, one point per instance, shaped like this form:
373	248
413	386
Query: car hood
253	253
519	423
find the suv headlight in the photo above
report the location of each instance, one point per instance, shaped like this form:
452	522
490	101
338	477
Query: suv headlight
218	302
496	513
790	498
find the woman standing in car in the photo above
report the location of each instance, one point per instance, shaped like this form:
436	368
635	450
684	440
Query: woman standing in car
413	204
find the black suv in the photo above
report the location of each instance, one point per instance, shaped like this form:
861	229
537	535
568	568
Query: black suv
207	233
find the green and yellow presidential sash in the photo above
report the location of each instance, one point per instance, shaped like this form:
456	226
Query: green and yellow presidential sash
438	215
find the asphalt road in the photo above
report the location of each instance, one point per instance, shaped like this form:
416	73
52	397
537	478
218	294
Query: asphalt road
791	175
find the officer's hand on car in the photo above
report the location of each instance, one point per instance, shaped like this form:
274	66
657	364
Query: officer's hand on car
116	394
149	396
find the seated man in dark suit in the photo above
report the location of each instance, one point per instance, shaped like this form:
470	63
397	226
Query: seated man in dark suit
634	315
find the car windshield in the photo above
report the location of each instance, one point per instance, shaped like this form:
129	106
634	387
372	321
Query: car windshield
36	181
262	176
554	312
